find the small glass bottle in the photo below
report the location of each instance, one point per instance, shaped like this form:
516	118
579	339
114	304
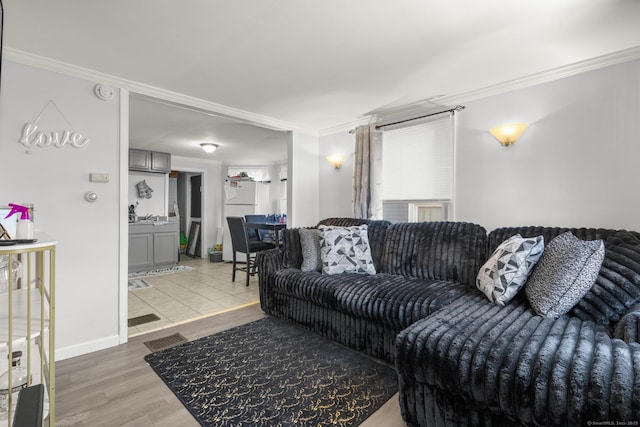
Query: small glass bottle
19	380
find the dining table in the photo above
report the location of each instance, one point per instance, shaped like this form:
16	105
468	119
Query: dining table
271	226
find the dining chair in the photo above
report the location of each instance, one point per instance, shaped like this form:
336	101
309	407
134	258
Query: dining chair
252	232
241	243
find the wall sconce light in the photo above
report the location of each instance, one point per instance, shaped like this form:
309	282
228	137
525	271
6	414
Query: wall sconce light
209	147
508	134
336	160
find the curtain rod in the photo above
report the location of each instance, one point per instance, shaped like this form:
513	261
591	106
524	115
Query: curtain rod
451	110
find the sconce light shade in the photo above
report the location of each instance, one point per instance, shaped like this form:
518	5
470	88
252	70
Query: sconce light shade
209	147
508	134
336	160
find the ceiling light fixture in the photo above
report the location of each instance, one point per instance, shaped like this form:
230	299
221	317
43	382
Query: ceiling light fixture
208	147
508	134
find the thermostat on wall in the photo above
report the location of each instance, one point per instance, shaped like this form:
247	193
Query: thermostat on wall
98	177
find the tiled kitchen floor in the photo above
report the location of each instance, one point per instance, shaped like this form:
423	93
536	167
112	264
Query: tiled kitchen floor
190	295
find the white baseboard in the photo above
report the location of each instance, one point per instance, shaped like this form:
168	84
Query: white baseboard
86	347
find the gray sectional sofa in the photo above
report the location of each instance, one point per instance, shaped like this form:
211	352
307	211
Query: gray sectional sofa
461	358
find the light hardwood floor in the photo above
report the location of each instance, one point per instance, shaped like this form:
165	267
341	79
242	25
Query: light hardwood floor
115	387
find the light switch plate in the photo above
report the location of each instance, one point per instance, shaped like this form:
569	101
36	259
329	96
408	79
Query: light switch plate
98	177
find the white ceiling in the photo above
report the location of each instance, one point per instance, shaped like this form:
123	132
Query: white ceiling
314	64
161	126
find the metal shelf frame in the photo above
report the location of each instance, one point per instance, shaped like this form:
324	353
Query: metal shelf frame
27	313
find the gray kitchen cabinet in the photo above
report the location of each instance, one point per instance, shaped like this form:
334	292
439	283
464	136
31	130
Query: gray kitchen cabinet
149	161
165	247
139	159
152	246
140	251
160	162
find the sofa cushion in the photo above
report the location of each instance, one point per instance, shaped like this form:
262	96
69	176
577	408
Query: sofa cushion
618	284
392	300
529	369
627	328
310	244
309	286
441	250
345	250
566	271
397	301
508	268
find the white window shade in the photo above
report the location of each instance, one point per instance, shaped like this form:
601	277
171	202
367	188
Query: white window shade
418	162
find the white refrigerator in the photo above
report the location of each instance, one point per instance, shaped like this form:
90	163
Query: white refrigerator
242	198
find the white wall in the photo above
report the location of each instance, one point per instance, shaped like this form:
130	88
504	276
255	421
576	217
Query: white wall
303	179
336	185
277	190
159	202
55	180
576	165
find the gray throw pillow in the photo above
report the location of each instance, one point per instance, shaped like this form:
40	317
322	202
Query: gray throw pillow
566	271
310	243
345	250
507	270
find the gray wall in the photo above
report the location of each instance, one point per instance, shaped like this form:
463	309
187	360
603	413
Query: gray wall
576	165
336	185
303	179
55	180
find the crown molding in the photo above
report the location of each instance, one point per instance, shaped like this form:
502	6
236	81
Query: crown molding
427	106
345	127
168	96
558	73
406	111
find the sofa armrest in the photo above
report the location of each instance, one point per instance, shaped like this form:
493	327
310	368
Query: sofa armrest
628	327
268	262
509	361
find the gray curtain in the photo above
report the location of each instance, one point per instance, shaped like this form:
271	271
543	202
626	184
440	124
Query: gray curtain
361	175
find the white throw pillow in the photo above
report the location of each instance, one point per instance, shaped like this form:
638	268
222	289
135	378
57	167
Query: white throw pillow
507	270
345	250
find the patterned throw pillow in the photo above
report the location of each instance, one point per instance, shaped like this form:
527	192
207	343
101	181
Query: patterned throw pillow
566	271
310	243
508	268
345	250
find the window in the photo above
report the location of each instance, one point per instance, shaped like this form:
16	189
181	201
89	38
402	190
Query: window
428	211
417	172
415	210
257	173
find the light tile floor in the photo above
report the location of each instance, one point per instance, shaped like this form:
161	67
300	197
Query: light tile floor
182	297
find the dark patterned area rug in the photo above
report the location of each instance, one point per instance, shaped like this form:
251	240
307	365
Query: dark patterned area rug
271	373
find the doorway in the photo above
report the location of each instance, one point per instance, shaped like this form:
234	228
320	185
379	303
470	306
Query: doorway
156	124
185	193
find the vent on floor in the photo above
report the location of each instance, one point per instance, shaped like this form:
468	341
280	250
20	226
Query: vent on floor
135	321
165	342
